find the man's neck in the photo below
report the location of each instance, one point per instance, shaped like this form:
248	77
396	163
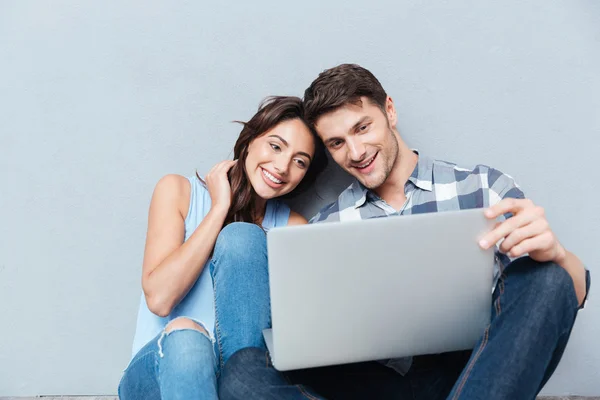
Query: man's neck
392	190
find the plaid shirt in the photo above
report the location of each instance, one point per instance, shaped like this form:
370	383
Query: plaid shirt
433	186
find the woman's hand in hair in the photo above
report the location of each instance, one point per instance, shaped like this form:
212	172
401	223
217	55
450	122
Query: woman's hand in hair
219	187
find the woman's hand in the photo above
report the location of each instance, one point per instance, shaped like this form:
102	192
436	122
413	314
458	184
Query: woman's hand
219	187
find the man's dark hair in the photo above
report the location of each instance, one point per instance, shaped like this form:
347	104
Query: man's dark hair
338	86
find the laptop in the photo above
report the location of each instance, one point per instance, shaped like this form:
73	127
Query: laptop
345	292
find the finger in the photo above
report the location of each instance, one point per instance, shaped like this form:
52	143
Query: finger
217	169
535	228
507	205
225	166
506	228
209	175
537	243
226	163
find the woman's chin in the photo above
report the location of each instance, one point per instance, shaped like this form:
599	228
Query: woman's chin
268	195
264	192
267	192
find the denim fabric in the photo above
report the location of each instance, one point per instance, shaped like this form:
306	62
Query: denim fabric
177	365
184	364
198	303
241	286
533	311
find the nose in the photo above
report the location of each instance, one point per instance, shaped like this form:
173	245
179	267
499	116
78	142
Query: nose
356	150
282	165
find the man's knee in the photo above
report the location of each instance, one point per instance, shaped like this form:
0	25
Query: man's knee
547	283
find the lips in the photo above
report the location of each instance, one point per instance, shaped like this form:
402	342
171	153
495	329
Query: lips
272	180
366	164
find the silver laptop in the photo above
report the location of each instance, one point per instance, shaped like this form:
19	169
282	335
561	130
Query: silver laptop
345	292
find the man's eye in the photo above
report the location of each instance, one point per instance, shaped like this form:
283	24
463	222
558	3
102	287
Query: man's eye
275	147
335	143
363	128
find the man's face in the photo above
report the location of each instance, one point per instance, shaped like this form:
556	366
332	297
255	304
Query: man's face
361	139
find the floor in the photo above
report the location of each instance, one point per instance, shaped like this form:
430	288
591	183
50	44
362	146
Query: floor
115	398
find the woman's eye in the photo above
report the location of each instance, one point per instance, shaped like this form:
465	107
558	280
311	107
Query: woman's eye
336	143
275	147
301	163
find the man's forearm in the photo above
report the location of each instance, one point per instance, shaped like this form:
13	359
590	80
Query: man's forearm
573	265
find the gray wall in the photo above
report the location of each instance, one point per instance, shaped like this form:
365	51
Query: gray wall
98	100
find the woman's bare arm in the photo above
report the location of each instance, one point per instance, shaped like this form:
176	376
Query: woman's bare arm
172	266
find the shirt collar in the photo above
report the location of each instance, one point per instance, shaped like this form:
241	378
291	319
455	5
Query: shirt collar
422	177
355	196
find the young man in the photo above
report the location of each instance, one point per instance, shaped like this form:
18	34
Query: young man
539	284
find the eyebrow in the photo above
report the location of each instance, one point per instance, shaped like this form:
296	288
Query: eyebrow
359	123
287	145
352	129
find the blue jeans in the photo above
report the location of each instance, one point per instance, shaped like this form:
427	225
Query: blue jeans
533	310
184	363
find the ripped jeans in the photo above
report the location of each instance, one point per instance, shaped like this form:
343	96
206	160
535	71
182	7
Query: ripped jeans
183	362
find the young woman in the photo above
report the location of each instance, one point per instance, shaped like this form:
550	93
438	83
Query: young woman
205	256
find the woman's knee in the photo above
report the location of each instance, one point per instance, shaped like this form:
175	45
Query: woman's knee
186	357
184	323
241	241
185	339
242	233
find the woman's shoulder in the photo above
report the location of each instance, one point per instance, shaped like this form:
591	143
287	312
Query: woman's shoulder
176	189
174	184
296	219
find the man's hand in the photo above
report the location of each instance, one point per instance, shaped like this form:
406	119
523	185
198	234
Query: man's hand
527	231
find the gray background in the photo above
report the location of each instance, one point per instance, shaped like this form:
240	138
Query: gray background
98	100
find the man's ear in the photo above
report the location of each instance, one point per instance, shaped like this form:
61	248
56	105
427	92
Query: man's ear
390	111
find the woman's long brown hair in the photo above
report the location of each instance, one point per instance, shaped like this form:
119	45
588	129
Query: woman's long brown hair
271	112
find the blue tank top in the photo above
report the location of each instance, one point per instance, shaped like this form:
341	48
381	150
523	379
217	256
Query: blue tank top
198	304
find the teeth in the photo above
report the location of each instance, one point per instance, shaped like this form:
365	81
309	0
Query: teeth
271	177
367	163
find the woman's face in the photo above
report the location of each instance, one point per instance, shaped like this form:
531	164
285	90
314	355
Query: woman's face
279	158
